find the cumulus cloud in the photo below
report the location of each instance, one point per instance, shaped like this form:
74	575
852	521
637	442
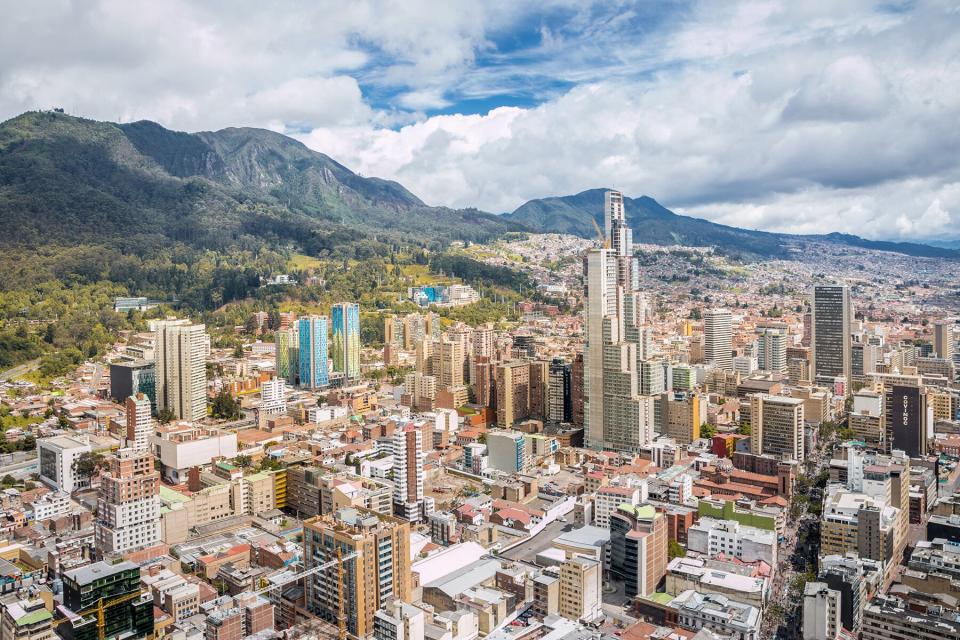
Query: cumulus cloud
805	117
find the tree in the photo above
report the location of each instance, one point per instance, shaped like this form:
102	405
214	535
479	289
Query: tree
166	416
88	463
238	351
8	481
744	429
243	461
707	430
675	550
225	407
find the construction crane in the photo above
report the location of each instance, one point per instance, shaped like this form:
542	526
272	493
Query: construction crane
312	570
100	609
604	242
338	562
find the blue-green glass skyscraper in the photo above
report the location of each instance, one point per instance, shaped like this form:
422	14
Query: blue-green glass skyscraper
345	317
314	359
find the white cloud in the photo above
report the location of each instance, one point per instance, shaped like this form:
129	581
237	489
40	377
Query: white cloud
794	116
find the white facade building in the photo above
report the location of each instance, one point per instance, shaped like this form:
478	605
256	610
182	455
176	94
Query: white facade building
181	368
713	537
57	456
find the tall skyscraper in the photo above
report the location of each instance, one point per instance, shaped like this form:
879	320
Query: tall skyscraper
139	422
181	368
314	361
616	415
345	318
408	473
128	504
772	349
718	338
830	333
944	339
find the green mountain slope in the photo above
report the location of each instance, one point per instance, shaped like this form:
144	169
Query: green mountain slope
655	224
71	180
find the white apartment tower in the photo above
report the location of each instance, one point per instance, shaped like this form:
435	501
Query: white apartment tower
181	368
718	338
772	349
408	473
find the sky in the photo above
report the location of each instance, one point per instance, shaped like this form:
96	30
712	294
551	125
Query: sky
803	117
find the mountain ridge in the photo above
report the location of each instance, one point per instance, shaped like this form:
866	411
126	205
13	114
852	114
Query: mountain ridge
655	224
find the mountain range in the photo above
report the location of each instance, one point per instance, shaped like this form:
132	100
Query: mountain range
653	223
69	180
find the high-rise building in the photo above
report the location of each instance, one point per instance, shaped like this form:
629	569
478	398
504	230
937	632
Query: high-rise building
345	322
408	473
944	339
512	383
483	340
616	414
128	504
718	338
683	415
288	354
581	589
380	570
772	349
559	404
139	422
87	587
314	360
453	359
830	340
181	368
273	394
776	426
638	548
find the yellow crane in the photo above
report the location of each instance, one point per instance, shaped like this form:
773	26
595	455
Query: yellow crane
100	609
604	242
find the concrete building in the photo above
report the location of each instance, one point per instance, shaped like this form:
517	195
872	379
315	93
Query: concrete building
182	446
57	456
608	499
772	349
181	368
712	537
128	504
512	383
408	497
399	620
717	613
26	620
776	426
381	569
139	422
507	451
944	339
888	618
638	548
821	612
682	416
718	338
581	589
